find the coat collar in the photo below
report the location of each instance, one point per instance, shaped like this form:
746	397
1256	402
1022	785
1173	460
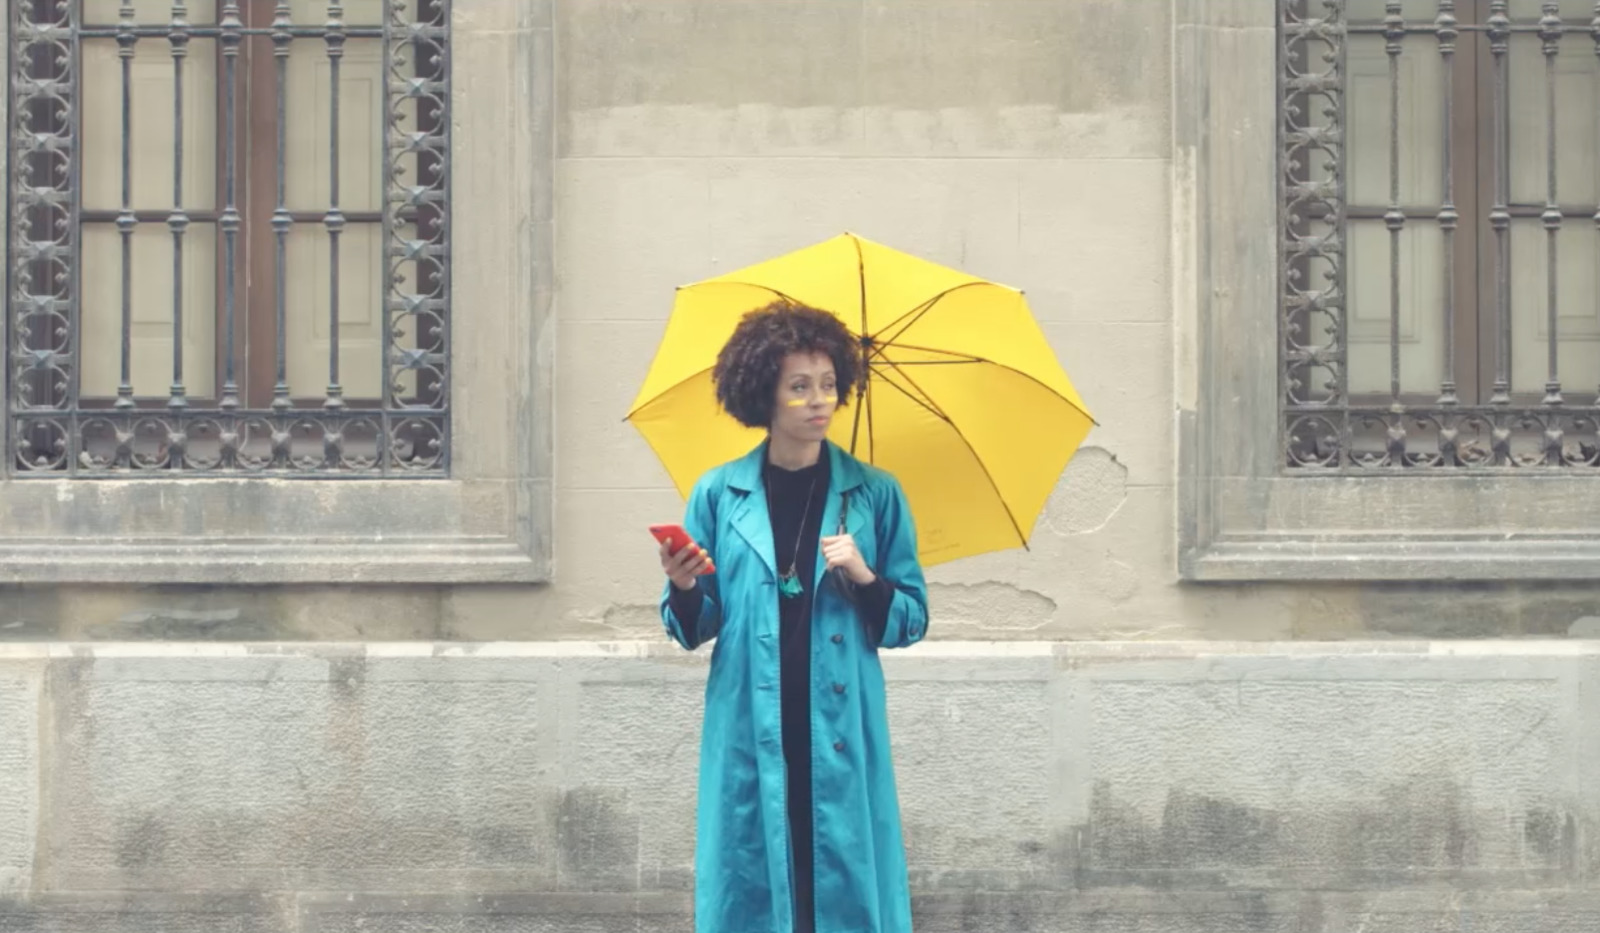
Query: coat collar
754	523
844	470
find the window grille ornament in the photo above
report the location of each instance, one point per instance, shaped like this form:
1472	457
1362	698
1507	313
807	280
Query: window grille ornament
1327	427
55	430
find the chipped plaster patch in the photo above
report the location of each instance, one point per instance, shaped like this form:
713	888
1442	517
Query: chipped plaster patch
1092	490
632	618
1586	627
991	606
1117	580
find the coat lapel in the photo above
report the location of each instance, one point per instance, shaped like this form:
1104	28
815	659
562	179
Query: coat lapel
750	517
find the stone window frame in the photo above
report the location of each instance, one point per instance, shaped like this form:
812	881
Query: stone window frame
1241	515
490	521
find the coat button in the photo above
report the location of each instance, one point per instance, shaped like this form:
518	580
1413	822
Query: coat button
838	688
838	639
838	746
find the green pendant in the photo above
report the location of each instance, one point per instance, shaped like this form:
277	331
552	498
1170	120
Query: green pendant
789	586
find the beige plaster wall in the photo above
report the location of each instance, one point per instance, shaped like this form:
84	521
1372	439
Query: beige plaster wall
1026	142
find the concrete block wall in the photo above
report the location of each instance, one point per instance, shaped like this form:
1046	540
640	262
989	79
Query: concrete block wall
1047	788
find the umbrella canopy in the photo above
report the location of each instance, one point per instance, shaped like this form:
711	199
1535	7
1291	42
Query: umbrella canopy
962	398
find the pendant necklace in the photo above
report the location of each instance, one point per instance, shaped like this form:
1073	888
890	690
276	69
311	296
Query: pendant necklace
789	585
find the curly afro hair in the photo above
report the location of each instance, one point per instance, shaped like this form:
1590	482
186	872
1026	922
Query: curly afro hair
747	369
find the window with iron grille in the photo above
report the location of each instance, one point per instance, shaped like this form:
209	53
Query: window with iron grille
229	249
1440	222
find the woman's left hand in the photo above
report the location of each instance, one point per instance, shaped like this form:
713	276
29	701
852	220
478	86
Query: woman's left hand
840	553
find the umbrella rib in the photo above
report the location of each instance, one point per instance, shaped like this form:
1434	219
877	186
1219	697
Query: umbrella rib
855	423
667	391
915	314
920	397
1015	525
861	277
872	438
864	401
921	401
969	358
765	288
955	356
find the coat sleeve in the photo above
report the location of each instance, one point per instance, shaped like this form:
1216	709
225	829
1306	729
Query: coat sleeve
700	521
906	621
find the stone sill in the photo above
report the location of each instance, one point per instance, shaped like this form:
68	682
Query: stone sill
1509	557
293	561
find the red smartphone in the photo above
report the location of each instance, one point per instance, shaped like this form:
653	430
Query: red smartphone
676	538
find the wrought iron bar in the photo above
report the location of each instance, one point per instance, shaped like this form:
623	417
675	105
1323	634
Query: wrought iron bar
217	32
1414	212
1394	219
1514	28
335	219
1499	30
1334	85
1550	32
281	221
127	223
178	222
1447	27
232	36
351	217
391	233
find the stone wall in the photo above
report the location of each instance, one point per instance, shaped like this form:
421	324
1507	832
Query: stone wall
1157	788
508	759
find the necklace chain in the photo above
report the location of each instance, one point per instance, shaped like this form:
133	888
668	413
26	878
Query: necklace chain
788	583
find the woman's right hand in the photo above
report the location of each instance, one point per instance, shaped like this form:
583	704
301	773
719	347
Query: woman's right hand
683	567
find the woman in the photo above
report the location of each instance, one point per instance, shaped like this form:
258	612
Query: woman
799	823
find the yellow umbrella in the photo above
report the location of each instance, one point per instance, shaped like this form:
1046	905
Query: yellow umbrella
964	402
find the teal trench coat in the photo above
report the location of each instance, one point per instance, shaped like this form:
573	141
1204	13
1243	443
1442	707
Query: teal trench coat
742	864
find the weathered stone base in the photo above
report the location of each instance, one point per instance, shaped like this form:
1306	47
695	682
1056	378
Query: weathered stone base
1047	788
1117	912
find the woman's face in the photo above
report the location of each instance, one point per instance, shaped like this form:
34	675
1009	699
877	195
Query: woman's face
808	396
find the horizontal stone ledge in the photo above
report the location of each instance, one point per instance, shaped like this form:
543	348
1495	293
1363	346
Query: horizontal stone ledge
934	649
353	560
